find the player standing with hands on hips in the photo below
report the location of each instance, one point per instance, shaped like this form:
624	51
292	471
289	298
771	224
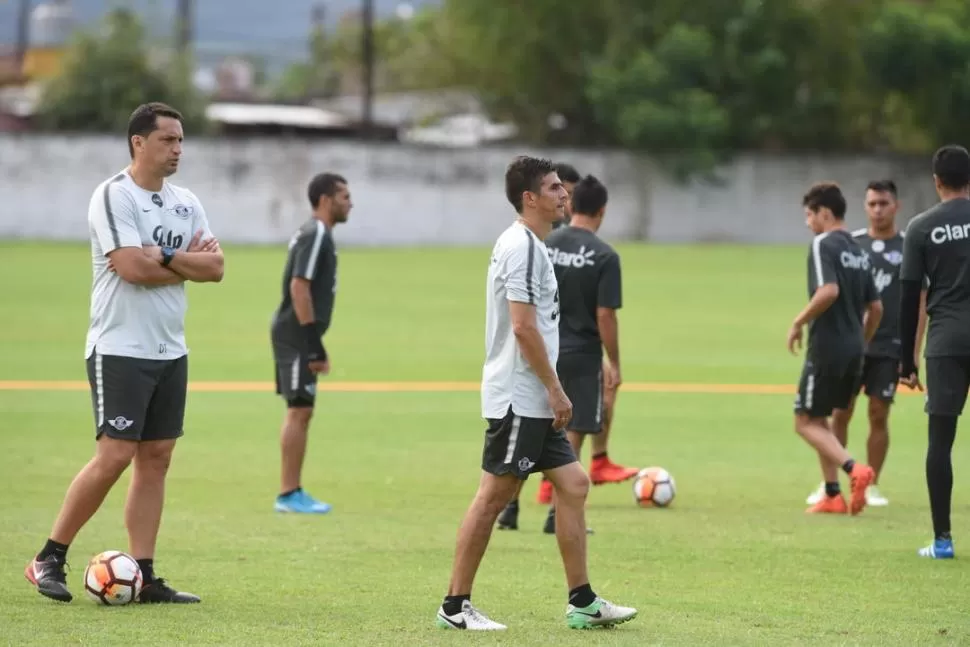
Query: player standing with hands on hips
937	251
148	237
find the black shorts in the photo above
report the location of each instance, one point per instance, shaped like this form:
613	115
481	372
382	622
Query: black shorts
880	376
520	446
947	381
138	399
294	379
822	389
582	380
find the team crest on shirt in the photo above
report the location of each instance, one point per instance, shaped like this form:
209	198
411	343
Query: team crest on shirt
894	257
182	211
878	246
157	200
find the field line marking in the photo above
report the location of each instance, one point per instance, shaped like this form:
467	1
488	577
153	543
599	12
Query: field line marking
423	387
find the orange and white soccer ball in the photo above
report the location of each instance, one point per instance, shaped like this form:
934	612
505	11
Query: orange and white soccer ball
113	578
654	487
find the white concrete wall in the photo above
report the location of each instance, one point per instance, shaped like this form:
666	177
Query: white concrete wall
254	190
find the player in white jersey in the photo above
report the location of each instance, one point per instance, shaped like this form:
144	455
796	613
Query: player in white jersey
525	406
147	238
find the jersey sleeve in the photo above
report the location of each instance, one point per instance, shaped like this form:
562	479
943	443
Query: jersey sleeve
307	251
112	215
914	261
823	262
609	293
201	219
521	273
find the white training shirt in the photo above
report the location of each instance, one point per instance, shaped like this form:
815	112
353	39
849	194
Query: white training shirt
520	270
146	322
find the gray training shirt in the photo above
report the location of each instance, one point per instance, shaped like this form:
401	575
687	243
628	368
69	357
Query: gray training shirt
141	321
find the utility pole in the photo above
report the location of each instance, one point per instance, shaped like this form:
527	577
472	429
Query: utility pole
23	33
184	14
367	109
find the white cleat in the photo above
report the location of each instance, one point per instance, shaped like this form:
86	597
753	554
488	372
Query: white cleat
817	495
469	618
875	498
602	613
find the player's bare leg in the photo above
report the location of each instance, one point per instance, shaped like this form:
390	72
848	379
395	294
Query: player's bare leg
571	486
83	498
143	516
877	446
91	485
509	518
146	496
474	533
839	423
576	442
585	609
293	443
476	529
602	469
816	432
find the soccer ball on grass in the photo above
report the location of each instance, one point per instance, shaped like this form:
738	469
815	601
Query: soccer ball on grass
654	487
113	578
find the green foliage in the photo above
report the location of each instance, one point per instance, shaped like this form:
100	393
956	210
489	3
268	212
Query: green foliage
921	56
105	76
696	81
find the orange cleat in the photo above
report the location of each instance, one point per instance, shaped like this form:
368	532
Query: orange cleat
862	477
605	471
545	492
830	505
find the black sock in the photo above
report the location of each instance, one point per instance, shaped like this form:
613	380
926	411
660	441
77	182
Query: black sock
514	503
847	466
939	471
832	489
452	603
147	567
53	548
552	511
288	493
598	456
582	596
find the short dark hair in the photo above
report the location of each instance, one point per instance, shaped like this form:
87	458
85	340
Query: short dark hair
144	120
523	174
323	184
828	195
951	164
567	172
589	196
882	186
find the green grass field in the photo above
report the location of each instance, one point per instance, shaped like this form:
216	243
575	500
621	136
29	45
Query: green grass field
735	561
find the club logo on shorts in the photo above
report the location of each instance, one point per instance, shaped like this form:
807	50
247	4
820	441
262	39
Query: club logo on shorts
121	423
310	388
525	464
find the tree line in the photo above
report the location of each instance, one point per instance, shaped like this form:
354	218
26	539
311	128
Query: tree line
695	81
